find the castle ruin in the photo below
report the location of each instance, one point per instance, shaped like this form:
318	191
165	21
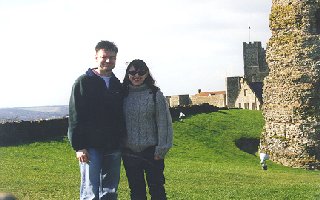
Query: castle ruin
291	91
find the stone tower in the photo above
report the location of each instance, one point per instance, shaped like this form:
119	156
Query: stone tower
291	94
254	60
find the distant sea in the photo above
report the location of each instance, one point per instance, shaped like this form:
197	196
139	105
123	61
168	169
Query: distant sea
33	113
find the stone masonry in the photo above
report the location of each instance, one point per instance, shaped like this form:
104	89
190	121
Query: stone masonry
291	92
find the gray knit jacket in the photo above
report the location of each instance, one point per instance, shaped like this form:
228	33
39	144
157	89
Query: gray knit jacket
148	123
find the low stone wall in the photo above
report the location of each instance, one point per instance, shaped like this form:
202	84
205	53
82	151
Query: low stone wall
12	133
30	131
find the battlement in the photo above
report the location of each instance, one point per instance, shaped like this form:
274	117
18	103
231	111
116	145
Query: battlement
255	44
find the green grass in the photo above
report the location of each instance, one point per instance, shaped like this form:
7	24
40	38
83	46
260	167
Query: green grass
204	163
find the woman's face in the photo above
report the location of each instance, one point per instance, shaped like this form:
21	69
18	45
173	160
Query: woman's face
137	77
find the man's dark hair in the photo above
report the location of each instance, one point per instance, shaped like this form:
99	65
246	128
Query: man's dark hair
106	45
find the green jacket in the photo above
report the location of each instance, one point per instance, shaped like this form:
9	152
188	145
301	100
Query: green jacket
95	113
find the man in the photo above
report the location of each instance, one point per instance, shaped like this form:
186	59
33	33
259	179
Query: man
96	125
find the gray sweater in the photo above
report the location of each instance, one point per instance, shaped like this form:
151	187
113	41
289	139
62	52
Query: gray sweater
148	123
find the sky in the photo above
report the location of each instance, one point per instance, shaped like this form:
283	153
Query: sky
187	44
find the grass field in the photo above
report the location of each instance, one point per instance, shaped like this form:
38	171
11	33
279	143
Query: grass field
204	163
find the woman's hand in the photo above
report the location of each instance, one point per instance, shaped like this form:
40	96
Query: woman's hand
83	155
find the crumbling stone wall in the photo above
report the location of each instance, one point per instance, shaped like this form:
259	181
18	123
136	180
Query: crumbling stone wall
178	100
218	100
292	89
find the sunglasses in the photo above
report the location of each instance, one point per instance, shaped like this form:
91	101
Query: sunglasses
140	72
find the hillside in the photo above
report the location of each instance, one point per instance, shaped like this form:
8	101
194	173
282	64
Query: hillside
204	163
33	113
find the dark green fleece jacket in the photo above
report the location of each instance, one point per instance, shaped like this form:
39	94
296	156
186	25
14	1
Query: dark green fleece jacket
95	113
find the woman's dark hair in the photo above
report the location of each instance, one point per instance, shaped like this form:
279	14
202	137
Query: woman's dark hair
139	65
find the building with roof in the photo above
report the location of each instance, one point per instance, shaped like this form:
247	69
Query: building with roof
217	98
250	95
246	92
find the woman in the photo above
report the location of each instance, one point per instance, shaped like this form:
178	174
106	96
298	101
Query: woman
149	132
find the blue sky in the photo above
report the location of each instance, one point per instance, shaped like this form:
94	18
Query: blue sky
188	44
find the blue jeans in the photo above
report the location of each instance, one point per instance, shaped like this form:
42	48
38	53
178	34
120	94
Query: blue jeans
100	177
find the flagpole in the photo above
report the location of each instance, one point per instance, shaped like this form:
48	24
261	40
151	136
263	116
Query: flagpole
249	34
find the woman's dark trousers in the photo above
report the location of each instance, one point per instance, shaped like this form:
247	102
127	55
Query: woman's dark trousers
138	164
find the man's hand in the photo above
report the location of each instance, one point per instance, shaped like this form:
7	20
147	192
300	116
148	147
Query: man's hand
157	158
83	155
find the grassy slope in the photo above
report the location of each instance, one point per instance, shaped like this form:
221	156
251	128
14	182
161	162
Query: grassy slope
203	164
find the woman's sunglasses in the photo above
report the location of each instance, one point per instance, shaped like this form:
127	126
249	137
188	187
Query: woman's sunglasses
140	72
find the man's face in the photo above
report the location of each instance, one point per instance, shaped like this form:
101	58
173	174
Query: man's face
106	60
